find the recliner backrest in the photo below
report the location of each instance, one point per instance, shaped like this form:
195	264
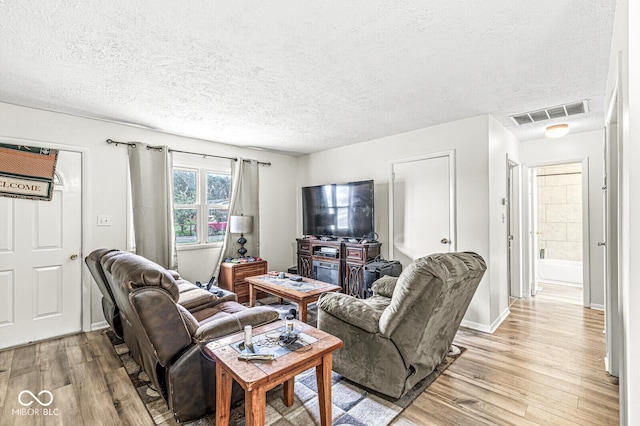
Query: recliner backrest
429	301
94	265
147	295
109	307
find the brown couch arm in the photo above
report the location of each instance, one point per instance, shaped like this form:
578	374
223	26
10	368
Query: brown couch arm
197	299
354	311
234	323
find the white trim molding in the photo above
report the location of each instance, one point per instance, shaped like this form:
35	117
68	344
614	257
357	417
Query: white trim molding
484	327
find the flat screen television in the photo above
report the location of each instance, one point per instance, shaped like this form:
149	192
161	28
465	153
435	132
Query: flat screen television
339	210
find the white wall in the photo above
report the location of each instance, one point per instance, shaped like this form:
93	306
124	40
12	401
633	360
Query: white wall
105	186
501	144
625	44
569	149
470	139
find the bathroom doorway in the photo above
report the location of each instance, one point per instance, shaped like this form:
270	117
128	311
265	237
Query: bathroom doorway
559	231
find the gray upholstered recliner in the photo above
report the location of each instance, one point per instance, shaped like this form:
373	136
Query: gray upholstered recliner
398	336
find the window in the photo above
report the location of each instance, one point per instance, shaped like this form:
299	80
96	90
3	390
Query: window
201	202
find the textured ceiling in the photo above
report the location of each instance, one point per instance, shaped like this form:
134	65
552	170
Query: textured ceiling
304	76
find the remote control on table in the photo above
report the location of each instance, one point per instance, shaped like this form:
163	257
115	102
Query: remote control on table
256	357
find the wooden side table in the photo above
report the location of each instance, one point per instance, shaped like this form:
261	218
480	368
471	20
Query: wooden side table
232	277
256	378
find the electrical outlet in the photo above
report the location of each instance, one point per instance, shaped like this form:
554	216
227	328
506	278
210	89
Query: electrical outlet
104	220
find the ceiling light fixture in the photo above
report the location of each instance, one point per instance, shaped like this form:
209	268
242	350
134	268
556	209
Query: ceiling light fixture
557	131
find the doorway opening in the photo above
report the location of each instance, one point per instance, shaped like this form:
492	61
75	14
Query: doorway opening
559	228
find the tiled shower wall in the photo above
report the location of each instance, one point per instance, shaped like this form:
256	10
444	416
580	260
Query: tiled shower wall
560	211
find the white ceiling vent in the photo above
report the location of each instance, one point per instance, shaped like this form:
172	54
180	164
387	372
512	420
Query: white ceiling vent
559	111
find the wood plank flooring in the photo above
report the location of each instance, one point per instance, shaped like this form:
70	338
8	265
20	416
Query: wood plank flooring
543	366
85	376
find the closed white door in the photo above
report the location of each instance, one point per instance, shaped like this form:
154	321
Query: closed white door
40	260
422	207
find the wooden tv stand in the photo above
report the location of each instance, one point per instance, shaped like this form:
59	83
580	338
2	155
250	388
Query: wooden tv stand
348	258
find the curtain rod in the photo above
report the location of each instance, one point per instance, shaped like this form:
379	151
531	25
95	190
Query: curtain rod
116	143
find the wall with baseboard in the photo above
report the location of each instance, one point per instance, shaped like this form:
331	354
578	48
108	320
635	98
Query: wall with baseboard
105	186
480	143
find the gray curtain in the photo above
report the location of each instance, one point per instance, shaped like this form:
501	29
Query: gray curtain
151	171
244	200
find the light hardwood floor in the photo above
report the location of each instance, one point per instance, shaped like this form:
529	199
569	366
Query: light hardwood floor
543	366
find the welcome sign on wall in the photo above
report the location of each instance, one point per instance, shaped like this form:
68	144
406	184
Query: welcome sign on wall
27	171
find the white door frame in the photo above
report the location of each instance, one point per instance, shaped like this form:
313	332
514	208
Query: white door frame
85	278
611	217
514	224
451	155
529	231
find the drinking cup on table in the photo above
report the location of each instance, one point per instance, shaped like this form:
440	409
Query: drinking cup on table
247	335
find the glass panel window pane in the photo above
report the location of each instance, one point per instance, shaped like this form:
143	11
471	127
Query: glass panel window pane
185	186
218	189
217	224
186	229
342	195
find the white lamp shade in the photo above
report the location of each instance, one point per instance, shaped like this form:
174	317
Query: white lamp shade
240	224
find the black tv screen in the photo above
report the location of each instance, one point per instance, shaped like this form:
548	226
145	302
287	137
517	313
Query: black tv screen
339	210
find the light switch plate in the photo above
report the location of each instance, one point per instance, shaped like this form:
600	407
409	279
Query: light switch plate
104	220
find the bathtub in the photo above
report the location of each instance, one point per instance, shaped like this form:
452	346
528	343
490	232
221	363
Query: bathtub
554	271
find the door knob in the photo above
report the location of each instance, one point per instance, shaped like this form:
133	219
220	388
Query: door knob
445	241
602	244
73	256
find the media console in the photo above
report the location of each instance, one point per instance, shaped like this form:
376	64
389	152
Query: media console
337	262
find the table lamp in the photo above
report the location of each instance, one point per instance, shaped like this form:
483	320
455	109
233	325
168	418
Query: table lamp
241	225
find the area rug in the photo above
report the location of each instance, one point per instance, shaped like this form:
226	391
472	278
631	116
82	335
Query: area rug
352	404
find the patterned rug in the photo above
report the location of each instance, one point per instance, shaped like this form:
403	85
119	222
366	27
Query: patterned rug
352	404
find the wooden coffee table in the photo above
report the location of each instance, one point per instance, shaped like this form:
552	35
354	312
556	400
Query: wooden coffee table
257	377
272	285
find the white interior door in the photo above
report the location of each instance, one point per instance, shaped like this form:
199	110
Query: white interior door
422	204
40	264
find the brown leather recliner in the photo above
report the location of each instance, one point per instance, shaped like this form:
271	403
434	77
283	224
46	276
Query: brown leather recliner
198	301
109	308
192	297
165	337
